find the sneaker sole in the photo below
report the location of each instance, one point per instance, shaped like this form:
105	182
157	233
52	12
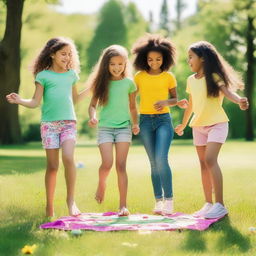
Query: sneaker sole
218	217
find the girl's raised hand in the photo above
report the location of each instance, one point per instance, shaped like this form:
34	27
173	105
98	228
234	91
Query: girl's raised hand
182	103
243	103
13	98
93	122
135	129
179	129
159	105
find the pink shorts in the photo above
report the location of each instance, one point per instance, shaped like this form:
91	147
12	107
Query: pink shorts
212	133
54	133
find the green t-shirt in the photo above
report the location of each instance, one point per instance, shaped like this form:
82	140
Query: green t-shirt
57	98
115	113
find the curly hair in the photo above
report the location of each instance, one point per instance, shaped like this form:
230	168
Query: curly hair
214	63
155	43
44	60
99	79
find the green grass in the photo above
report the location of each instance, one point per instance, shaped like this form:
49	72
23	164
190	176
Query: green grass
22	199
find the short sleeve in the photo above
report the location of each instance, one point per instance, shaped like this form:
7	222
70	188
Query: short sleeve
40	78
76	77
132	87
173	82
217	79
188	87
136	79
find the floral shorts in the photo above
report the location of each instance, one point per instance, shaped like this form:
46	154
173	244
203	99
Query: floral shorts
54	133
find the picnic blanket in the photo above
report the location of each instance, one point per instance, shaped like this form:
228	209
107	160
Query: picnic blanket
110	221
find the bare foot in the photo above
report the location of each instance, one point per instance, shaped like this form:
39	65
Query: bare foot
49	211
73	209
99	196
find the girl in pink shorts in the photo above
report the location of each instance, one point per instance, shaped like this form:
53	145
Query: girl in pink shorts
213	79
56	73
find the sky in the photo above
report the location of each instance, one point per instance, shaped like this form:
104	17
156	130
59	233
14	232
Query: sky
145	6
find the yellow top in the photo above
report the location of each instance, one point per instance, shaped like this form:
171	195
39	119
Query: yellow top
207	110
153	88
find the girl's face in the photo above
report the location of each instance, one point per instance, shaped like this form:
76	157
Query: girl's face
155	60
195	62
116	67
61	58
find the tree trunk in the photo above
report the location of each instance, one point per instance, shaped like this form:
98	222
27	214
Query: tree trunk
10	72
250	78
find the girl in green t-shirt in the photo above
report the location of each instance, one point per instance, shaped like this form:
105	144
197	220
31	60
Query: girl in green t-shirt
114	93
55	70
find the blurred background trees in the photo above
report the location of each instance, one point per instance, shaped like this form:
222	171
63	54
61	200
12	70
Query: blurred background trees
228	24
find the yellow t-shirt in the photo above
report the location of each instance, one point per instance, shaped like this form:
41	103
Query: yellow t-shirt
207	110
153	88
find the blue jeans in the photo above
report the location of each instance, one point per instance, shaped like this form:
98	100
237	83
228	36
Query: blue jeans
156	132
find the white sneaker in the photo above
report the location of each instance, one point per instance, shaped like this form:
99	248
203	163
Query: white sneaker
168	207
217	211
203	210
158	207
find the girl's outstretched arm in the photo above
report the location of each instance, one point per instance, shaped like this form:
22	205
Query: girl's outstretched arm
134	113
15	98
187	114
170	102
234	97
92	112
81	95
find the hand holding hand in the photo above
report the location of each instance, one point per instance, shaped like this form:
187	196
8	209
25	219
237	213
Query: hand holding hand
182	103
135	129
179	129
93	122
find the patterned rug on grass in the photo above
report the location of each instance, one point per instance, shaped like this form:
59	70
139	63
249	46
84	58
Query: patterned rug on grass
110	221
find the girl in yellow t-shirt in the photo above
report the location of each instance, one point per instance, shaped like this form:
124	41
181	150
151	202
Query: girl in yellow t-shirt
154	55
213	79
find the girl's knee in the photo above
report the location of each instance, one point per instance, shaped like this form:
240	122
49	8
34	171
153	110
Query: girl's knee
121	167
210	161
52	167
106	166
68	160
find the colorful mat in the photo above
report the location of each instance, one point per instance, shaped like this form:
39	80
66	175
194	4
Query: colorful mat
110	221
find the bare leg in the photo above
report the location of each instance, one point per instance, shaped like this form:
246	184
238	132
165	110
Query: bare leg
205	174
106	151
68	147
122	149
211	157
52	156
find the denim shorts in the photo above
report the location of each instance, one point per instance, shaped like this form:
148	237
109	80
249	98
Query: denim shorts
54	133
114	135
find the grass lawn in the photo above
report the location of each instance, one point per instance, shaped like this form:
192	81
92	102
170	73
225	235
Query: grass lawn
22	199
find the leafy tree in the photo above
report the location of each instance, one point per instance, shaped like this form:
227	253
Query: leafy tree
236	21
180	6
111	29
135	22
164	18
10	72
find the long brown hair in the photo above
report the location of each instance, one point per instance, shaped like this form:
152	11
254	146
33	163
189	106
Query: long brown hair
214	63
44	60
99	79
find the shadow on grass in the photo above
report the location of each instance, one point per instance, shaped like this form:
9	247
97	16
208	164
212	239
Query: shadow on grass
21	229
11	165
229	238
